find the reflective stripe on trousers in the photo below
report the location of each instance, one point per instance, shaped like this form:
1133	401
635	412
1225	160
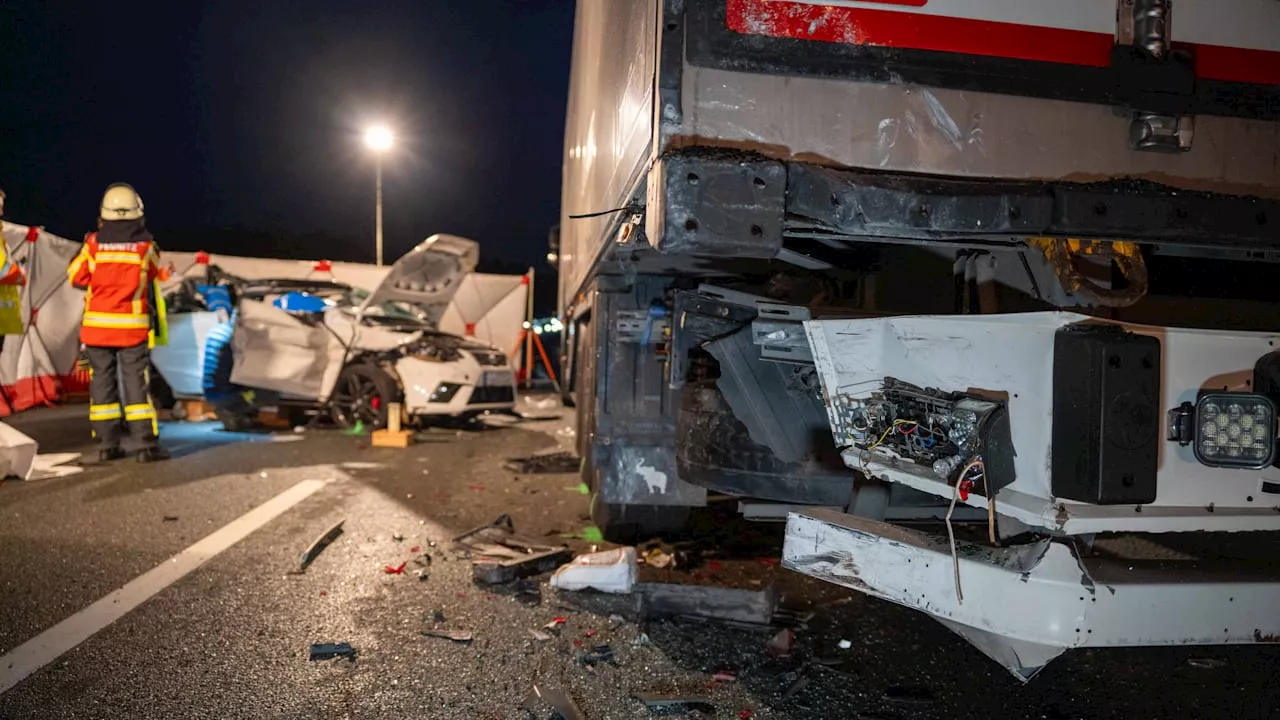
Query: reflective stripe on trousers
119	390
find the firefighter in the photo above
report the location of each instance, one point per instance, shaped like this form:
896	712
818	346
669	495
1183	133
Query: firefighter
118	267
11	281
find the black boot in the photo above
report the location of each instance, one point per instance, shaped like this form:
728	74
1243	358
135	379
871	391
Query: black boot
109	454
153	454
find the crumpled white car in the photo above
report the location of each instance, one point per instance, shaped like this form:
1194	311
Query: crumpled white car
307	345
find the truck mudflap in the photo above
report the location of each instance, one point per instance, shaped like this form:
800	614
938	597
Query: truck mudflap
1025	605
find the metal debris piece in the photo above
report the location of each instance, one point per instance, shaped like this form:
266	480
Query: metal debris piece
459	636
499	556
844	644
642	639
675	703
170	518
539	635
780	645
557	699
1205	663
598	654
319	544
725	677
801	683
708	603
328	651
554	625
552	462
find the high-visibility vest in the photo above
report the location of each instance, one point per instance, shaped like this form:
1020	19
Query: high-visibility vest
11	281
119	279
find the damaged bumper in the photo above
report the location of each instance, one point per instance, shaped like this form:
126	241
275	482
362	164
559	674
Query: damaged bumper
1025	605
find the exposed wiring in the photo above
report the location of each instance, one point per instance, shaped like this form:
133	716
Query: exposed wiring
602	213
951	537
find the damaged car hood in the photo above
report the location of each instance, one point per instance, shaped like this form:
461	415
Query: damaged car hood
427	276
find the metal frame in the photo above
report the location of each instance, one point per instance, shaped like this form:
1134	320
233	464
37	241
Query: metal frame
1025	605
1012	355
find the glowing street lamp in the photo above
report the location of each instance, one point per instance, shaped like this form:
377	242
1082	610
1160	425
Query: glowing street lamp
378	139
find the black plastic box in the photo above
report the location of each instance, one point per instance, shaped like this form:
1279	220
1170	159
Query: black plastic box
1106	415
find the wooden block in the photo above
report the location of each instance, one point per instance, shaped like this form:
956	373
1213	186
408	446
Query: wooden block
387	438
270	419
198	410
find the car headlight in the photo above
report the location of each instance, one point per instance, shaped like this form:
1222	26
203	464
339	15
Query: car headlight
435	353
1227	429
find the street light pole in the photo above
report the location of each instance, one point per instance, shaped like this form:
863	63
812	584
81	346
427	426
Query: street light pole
378	219
379	139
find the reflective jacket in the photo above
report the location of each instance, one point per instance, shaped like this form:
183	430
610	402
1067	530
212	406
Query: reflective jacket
11	281
120	282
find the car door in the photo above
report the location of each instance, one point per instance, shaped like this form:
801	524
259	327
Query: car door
278	351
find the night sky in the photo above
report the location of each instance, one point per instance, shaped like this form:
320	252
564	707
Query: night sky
239	121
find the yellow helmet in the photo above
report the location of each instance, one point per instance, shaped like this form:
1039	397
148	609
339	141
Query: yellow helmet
121	202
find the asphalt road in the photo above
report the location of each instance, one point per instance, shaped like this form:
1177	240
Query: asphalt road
230	638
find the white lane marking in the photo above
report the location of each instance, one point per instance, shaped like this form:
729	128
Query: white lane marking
57	640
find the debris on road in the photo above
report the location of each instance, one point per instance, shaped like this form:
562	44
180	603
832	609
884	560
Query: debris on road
437	616
908	696
328	651
458	636
558	700
641	639
750	607
780	645
745	714
397	570
170	518
319	544
845	644
554	625
724	676
539	635
598	654
397	537
801	683
611	571
656	557
669	704
1205	663
500	556
543	463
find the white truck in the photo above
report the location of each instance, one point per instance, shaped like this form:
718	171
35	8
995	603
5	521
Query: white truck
970	292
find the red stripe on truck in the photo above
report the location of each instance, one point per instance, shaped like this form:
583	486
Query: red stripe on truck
892	28
1215	62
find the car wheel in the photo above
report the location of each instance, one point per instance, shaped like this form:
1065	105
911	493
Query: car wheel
361	396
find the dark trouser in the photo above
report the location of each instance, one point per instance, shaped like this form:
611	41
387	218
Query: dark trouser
113	369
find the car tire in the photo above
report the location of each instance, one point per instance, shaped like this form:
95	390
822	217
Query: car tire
362	394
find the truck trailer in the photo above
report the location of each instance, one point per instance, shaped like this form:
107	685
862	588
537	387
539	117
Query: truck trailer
977	295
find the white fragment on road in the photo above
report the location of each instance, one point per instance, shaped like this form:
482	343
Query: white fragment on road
286	438
54	465
361	466
48	646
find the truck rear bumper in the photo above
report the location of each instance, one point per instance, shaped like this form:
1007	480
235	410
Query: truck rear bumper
1025	605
